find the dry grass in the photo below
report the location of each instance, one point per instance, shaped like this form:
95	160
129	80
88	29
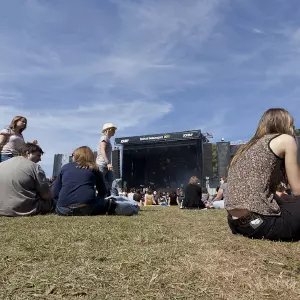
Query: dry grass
164	253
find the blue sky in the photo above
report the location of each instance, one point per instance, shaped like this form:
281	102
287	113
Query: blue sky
149	66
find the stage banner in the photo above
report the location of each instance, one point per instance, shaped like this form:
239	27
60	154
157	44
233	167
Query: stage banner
162	137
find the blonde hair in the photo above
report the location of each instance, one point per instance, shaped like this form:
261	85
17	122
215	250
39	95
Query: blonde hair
85	158
13	123
194	180
274	120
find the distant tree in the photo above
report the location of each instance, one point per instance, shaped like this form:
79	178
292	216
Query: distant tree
297	132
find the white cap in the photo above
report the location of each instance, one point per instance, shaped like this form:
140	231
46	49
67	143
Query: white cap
108	126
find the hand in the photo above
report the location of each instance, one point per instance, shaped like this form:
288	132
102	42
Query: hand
110	167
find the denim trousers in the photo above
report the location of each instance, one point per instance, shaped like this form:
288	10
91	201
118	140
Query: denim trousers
4	157
108	177
99	207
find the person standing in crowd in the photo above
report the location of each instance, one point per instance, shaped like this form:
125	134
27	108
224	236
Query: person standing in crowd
193	195
24	186
74	189
104	155
269	158
218	202
11	138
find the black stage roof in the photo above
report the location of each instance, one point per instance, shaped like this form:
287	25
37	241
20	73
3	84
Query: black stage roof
161	137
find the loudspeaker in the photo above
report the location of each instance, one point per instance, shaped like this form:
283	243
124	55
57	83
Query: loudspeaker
57	164
234	149
207	161
224	158
116	163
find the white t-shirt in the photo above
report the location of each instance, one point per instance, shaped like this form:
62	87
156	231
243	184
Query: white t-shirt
13	142
108	150
130	196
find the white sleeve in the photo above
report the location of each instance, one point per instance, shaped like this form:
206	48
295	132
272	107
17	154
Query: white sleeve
104	139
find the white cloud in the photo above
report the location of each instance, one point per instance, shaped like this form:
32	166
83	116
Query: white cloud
258	31
62	130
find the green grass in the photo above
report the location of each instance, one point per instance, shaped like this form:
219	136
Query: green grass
164	253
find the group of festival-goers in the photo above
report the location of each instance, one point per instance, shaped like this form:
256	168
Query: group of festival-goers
261	193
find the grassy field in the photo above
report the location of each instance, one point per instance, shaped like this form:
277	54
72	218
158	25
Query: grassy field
164	253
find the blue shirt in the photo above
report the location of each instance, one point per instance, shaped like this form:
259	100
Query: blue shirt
77	186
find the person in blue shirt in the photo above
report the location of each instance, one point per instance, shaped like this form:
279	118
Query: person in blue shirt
79	189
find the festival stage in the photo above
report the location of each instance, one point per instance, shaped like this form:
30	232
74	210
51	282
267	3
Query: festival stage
164	160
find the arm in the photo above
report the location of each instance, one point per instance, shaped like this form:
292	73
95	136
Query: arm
153	200
103	153
219	195
2	140
56	187
4	134
285	147
100	184
42	185
291	164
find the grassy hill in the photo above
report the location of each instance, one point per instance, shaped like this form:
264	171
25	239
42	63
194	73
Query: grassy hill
164	253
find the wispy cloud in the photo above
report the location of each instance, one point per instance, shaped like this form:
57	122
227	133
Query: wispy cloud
255	30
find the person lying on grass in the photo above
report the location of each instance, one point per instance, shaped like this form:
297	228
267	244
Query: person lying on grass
270	157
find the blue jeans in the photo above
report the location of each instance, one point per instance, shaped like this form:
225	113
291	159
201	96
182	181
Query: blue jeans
4	157
124	206
99	207
108	177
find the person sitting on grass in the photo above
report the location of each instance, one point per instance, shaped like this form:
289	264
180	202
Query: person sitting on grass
131	193
193	195
138	197
11	138
24	188
149	198
74	189
270	157
173	199
218	201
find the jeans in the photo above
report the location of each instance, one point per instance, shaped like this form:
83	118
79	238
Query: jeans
99	207
108	177
4	157
124	206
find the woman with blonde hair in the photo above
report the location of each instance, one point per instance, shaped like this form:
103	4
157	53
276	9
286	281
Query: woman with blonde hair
11	138
270	157
105	153
74	189
193	195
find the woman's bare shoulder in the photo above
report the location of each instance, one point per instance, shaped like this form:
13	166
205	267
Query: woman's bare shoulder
285	138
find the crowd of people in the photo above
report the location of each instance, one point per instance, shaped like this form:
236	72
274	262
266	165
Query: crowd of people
261	193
